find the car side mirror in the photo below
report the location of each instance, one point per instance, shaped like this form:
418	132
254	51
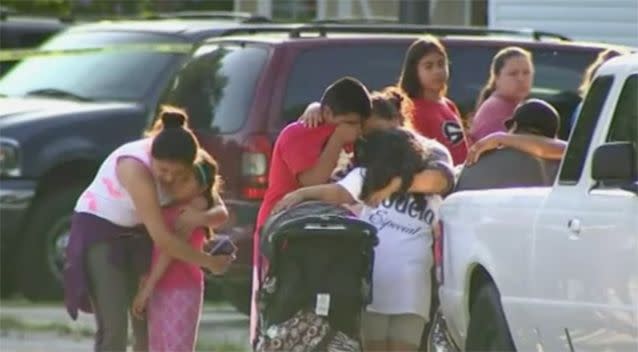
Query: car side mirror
614	164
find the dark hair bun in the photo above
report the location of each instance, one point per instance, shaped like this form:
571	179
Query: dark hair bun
172	119
395	97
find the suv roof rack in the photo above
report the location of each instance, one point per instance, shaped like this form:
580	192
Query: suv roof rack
244	17
296	30
357	20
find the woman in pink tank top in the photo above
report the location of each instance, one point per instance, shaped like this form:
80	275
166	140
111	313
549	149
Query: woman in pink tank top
172	293
116	219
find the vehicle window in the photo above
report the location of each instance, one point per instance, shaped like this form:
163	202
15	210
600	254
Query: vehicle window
377	66
584	130
556	72
105	75
218	85
624	126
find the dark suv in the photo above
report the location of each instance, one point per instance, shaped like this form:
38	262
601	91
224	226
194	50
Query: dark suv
61	114
242	90
21	32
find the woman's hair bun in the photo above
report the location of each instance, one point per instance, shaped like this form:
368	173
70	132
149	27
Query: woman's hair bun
395	96
173	119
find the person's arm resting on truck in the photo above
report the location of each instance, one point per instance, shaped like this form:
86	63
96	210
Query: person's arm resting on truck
538	146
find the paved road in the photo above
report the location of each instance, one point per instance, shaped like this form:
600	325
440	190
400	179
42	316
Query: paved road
220	326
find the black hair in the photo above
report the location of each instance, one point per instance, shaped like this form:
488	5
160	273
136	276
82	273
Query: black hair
409	80
390	104
347	95
207	174
172	139
386	154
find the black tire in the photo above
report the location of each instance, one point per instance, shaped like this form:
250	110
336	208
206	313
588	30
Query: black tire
7	272
488	329
238	295
40	275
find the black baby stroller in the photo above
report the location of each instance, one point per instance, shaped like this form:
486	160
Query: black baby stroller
318	281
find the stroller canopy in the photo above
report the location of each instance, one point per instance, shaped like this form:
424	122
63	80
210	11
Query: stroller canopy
299	220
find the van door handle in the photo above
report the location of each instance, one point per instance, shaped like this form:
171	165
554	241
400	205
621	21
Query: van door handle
575	228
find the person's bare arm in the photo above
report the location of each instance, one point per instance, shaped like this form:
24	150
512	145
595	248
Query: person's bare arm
538	146
329	193
140	185
436	178
192	217
321	171
217	215
311	117
430	181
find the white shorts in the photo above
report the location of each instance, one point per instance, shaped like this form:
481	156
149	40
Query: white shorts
405	328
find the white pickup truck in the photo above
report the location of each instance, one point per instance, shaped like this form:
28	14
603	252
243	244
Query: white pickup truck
554	268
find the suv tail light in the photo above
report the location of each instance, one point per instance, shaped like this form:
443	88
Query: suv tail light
438	252
254	167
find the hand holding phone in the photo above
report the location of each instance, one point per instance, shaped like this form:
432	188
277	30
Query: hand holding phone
221	245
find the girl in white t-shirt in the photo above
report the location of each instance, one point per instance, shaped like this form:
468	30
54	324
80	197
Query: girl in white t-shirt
399	178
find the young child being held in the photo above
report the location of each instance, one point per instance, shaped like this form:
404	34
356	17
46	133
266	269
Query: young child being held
172	293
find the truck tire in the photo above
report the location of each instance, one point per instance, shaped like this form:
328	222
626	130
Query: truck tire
42	253
488	329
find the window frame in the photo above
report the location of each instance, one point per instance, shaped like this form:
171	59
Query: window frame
584	131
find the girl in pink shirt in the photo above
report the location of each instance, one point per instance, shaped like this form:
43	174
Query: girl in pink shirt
173	291
510	82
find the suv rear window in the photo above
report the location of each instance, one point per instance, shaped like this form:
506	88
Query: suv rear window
217	86
556	72
375	65
379	65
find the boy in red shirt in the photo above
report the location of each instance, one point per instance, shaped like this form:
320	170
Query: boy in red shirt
305	156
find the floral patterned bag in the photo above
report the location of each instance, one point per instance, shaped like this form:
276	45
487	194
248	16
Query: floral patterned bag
305	332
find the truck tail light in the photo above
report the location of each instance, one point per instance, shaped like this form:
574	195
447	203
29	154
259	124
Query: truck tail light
255	161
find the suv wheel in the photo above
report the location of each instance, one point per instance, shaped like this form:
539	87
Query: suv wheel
238	295
43	250
488	330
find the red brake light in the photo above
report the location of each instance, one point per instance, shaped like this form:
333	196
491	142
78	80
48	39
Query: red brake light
254	167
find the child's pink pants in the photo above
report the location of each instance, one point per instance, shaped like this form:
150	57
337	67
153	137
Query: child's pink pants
173	319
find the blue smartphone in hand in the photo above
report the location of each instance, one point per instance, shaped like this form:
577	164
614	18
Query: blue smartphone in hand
222	245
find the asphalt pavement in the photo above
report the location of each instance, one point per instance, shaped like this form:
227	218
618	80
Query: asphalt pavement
48	328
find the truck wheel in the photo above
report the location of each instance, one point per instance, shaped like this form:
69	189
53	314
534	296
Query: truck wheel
488	330
43	250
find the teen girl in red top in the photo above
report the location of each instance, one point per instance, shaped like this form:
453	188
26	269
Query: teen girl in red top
424	78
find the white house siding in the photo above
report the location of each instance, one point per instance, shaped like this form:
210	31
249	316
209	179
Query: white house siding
610	21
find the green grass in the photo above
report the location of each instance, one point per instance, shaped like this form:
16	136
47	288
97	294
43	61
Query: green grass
12	323
20	301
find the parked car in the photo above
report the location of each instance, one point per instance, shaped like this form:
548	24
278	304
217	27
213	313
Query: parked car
241	90
63	113
554	268
22	32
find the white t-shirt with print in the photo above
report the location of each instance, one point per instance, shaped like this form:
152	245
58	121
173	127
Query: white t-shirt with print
403	258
